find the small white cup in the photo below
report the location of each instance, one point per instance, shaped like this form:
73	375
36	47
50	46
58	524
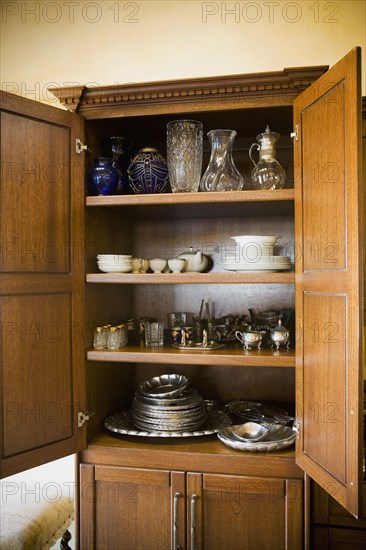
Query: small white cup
176	264
157	264
139	265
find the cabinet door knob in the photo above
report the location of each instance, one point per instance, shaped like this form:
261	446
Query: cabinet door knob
175	522
193	521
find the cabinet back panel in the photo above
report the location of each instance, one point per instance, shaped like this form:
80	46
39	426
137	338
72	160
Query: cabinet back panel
225	383
111	387
151	132
107	305
157	301
170	237
107	233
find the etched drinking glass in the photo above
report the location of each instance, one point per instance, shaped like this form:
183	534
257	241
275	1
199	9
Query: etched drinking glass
184	154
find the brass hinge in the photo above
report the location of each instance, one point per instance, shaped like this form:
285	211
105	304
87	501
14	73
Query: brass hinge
83	417
296	428
80	147
295	134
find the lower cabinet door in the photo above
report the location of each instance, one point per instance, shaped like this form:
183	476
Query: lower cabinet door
140	509
248	513
131	509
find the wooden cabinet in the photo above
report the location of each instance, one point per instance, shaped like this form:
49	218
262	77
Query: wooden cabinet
319	218
333	528
175	509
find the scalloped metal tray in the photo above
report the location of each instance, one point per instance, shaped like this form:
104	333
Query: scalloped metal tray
122	423
279	437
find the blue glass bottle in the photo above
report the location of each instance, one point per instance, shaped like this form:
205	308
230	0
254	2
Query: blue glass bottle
103	178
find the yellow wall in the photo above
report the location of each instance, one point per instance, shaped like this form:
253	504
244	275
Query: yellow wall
52	43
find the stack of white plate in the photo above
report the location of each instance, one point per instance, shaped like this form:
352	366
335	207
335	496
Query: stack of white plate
115	263
255	253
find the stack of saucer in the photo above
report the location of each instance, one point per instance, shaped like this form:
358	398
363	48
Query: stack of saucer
115	263
255	253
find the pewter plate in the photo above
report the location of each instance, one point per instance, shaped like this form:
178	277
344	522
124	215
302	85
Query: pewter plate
122	423
168	405
164	386
188	396
259	412
279	437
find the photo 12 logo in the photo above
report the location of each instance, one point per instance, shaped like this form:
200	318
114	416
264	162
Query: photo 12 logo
270	12
70	12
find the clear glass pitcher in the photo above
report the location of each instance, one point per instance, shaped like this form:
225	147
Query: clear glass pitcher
221	173
267	173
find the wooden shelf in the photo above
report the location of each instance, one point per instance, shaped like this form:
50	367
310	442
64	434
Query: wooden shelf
200	205
192	198
188	454
231	355
281	278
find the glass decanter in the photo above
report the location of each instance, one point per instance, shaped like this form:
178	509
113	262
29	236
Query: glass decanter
267	173
221	173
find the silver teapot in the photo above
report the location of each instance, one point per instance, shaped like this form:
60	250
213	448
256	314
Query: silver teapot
279	336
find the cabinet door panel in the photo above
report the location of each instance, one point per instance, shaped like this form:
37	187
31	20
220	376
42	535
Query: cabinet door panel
41	284
329	304
242	512
325	378
36	352
132	507
36	190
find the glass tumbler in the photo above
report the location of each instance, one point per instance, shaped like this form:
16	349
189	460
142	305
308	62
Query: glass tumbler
154	334
184	154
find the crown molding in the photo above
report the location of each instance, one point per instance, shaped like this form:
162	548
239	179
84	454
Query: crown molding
273	88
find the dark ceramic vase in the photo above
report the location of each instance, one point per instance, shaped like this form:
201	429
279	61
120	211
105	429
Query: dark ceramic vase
148	172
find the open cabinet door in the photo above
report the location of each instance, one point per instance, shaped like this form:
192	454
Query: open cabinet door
41	284
329	294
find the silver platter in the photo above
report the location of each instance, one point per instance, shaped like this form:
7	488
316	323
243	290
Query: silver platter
279	437
122	423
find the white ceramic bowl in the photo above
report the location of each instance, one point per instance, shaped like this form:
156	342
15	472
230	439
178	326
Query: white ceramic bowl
114	258
263	241
115	268
108	262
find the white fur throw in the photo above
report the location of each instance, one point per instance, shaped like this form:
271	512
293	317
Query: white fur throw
30	526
